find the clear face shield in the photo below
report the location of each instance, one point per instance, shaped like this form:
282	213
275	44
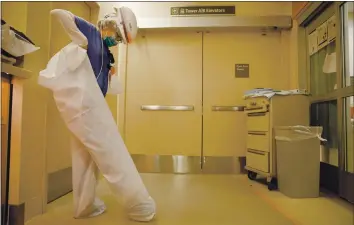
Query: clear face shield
120	26
110	32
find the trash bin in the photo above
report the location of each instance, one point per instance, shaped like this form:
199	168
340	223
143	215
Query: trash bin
298	161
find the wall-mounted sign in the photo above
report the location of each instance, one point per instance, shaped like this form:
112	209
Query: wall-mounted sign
242	70
203	10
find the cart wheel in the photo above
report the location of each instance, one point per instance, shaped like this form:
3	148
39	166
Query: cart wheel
252	175
272	185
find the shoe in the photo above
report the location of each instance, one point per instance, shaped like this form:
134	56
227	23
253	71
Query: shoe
97	209
143	212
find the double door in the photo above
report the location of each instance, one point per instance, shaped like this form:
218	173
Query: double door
184	99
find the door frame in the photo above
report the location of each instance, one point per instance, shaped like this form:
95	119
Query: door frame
5	174
315	14
199	24
346	178
163	163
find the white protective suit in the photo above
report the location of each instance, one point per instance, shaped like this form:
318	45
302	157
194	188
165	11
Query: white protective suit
97	144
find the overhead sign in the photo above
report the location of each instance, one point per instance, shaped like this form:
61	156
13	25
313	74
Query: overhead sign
202	10
242	70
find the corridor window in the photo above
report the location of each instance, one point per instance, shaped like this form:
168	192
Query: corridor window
347	18
324	114
322	52
322	69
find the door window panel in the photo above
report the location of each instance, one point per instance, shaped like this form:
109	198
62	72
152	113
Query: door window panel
324	114
347	17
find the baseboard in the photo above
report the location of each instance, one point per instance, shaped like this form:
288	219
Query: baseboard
179	164
17	214
224	165
59	184
347	186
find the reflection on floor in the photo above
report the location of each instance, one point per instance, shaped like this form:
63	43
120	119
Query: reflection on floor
210	200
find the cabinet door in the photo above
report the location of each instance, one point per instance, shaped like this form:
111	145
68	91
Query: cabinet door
258	140
258	121
258	160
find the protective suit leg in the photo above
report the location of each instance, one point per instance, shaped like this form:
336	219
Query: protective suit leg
85	179
115	163
84	110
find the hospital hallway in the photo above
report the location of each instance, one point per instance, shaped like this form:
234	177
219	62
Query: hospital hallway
209	200
232	113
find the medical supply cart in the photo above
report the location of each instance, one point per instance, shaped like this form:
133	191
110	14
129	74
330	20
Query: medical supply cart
263	114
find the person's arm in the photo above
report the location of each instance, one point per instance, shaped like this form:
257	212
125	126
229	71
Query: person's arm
67	20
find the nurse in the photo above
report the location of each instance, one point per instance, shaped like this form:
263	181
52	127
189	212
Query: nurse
119	26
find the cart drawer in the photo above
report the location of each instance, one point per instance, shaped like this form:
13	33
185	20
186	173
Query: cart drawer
258	160
258	121
258	104
258	140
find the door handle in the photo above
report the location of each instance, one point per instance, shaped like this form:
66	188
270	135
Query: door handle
257	133
255	108
167	108
228	108
256	152
256	114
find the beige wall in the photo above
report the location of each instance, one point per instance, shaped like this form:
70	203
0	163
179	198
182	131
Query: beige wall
162	9
34	112
58	136
294	59
15	13
297	7
28	131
